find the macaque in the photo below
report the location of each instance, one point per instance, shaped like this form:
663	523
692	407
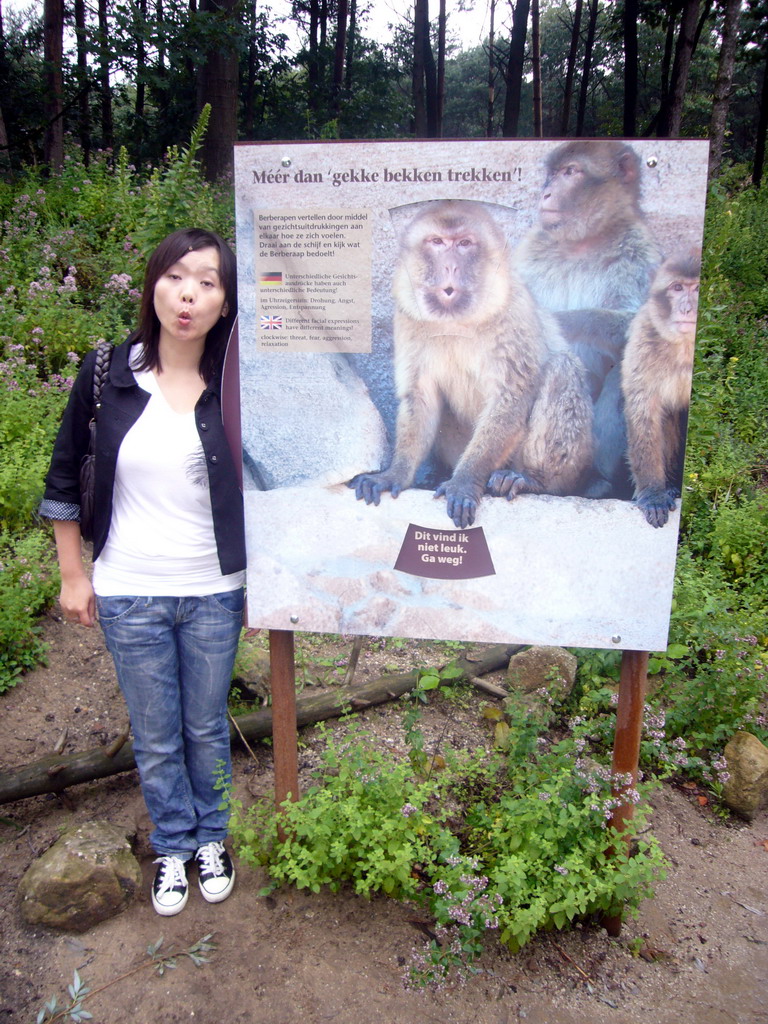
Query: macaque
484	379
592	249
656	384
591	260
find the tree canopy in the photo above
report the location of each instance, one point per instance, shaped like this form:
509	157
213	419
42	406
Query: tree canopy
136	73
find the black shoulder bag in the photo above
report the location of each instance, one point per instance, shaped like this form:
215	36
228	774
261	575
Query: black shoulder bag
87	466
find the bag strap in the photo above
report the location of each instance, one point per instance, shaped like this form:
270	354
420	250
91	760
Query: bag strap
100	372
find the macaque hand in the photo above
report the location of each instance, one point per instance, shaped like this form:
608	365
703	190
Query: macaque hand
369	487
656	503
461	501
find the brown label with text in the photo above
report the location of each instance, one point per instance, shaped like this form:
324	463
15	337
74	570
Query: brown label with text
445	554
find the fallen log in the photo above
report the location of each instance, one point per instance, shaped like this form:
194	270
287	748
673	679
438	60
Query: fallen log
55	773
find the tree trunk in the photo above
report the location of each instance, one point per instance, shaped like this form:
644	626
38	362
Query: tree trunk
351	39
515	66
53	44
762	128
581	113
571	68
440	101
107	127
55	773
141	70
323	24
666	61
417	83
83	85
424	75
218	85
538	113
249	99
5	154
489	129
159	17
723	85
313	66
631	14
670	116
340	48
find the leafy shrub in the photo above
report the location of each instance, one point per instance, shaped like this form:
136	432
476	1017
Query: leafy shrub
30	410
740	534
73	246
28	582
526	846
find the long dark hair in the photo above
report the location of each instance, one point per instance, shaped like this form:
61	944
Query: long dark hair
170	251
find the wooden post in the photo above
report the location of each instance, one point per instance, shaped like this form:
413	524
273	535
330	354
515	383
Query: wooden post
626	744
284	731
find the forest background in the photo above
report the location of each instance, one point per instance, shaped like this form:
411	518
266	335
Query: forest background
117	124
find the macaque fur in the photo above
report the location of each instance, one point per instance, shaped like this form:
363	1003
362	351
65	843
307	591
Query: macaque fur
590	261
656	383
484	379
591	248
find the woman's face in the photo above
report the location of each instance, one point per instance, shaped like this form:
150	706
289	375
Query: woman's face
189	297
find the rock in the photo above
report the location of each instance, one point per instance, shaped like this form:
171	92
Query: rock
746	791
551	668
87	876
307	440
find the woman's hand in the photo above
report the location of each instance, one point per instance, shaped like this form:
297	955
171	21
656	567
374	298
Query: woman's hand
77	599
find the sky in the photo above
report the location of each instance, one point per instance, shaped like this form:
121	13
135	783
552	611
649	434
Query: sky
471	27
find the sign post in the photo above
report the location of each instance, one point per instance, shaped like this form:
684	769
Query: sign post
357	360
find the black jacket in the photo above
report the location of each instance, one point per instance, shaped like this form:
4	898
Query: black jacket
122	402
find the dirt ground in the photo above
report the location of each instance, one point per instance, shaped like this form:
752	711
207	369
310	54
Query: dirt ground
298	958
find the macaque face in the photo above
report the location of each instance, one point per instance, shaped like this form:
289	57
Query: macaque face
450	257
682	297
447	257
558	197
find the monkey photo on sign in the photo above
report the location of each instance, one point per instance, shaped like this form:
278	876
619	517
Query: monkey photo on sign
484	379
656	383
591	260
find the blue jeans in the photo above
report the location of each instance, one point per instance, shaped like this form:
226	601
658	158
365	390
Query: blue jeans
174	658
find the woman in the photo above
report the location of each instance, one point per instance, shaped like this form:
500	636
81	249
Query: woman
169	549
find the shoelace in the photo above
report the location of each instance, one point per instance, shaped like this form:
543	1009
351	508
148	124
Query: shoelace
209	857
172	873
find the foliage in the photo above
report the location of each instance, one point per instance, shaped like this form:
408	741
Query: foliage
72	246
29	414
518	842
30	410
28	583
718	682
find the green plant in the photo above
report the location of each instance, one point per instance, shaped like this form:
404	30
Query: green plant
28	582
517	841
178	195
432	679
30	410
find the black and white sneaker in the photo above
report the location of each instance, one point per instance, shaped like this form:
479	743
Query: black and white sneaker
170	889
216	872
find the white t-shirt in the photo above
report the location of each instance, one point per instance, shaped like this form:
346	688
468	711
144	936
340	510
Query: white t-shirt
161	541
